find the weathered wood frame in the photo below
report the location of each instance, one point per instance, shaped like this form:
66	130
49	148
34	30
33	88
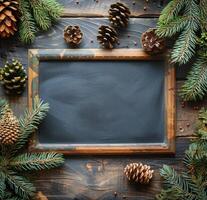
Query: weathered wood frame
168	147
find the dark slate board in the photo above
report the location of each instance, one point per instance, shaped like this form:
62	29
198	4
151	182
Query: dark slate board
102	102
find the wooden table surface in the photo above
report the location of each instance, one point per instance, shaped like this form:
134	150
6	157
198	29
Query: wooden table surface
99	177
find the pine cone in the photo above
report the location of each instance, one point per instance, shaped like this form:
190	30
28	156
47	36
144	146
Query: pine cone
138	172
119	15
9	128
13	77
8	17
107	37
151	43
73	35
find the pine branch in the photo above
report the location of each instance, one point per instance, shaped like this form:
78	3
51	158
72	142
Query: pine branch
195	87
14	198
171	10
172	27
37	161
184	47
169	194
2	185
53	8
40	15
181	183
30	121
21	186
27	26
203	12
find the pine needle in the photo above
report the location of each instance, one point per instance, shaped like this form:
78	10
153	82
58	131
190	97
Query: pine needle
195	87
30	121
41	16
184	47
2	185
53	8
20	185
27	26
36	161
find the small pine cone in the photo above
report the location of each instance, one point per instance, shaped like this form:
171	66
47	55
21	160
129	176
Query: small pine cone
107	37
73	35
138	172
13	77
151	43
8	17
9	128
119	15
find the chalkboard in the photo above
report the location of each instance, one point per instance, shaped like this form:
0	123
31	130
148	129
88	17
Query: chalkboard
103	102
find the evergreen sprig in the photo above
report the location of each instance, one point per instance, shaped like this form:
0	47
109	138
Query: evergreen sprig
13	159
183	17
37	15
185	20
192	183
195	87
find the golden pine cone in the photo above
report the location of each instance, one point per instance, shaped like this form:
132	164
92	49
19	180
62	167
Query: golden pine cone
9	128
73	35
13	77
151	43
138	172
8	17
119	14
107	37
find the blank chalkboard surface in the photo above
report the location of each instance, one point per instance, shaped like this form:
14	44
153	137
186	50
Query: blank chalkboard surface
103	101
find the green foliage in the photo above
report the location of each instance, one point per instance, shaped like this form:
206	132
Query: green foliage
29	122
185	20
38	161
169	194
13	159
27	27
37	15
183	17
192	183
195	87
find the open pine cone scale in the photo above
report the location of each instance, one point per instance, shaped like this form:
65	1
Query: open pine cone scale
137	172
8	17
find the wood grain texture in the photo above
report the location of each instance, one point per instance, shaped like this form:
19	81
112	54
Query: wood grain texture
53	39
99	177
138	8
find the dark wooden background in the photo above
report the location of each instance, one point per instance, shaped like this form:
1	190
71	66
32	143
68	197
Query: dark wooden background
99	177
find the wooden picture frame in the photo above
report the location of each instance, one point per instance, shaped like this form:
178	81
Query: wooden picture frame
168	147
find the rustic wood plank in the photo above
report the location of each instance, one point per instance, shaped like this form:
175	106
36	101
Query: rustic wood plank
53	39
99	177
99	8
129	38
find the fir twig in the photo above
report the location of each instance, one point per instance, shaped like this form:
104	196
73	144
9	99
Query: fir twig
195	87
37	161
21	186
53	8
40	15
2	185
27	26
30	121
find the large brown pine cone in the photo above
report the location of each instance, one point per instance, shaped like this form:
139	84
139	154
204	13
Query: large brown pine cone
13	77
119	15
73	35
138	172
8	17
9	128
107	37
151	43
